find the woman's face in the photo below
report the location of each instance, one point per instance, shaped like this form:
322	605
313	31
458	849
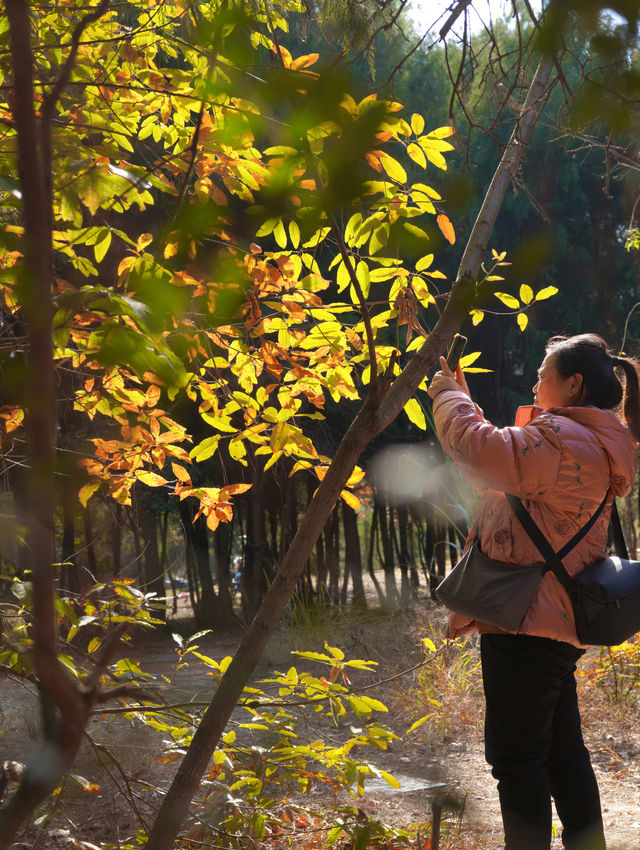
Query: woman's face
552	390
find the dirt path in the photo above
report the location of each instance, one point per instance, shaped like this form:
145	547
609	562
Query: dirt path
122	758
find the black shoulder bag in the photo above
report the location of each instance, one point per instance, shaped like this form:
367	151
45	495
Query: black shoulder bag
605	595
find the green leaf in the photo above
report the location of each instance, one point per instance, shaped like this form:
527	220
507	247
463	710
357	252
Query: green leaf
379	237
362	273
334	835
102	247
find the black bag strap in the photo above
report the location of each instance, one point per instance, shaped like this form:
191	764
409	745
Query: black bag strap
562	553
553	559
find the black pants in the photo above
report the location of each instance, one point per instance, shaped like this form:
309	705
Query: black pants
534	744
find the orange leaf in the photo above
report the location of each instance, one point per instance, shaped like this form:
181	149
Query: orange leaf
446	227
305	61
181	473
350	499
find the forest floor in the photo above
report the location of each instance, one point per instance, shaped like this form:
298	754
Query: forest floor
442	758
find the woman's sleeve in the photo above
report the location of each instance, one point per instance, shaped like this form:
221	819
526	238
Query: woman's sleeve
523	461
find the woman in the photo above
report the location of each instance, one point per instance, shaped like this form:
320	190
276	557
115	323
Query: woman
561	457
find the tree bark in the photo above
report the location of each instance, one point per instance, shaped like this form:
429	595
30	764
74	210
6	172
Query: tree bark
222	542
385	520
64	707
153	574
201	588
377	412
353	555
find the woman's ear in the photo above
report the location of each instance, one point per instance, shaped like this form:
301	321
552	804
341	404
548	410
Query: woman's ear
576	387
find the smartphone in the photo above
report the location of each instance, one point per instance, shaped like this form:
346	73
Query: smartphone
455	352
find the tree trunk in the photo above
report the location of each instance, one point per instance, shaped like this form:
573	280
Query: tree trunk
385	523
90	549
378	411
196	537
403	557
353	555
333	556
153	575
65	709
116	539
68	571
222	545
370	557
255	544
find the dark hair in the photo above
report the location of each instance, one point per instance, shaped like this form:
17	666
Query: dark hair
588	355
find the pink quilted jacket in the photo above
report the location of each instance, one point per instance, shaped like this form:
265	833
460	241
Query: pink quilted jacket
560	462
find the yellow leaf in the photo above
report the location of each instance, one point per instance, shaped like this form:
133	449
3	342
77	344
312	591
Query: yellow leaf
424	262
415	413
294	233
356	476
237	451
417	154
547	292
144	240
393	168
352	227
417	123
468	359
436	158
418	723
476	316
523	319
526	294
87	492
170	250
343	278
446	227
150	478
280	234
507	300
317	237
350	499
441	133
418	232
